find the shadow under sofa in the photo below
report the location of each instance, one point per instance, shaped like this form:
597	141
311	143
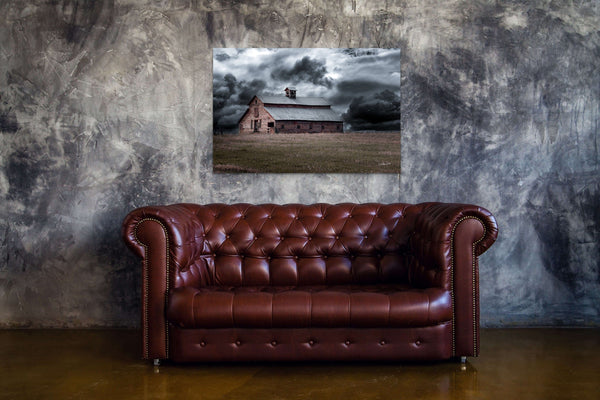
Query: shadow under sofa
268	282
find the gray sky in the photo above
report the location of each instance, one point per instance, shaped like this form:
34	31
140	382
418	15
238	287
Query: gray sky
362	85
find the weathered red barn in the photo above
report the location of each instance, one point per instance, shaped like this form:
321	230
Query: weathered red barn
290	114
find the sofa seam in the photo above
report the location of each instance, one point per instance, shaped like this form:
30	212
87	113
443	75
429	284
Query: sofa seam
194	307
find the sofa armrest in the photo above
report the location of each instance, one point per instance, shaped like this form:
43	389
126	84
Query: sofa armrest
445	244
166	240
443	231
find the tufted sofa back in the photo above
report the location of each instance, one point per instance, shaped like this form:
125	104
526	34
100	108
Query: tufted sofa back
295	245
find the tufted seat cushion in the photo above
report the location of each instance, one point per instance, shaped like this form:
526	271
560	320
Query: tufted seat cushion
360	306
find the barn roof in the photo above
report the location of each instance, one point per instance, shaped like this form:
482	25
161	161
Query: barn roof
303	101
303	114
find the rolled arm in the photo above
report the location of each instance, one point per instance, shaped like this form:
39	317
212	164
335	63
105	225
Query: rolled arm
436	230
445	244
181	224
166	238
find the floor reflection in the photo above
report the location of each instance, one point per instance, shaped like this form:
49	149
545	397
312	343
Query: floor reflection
100	364
450	380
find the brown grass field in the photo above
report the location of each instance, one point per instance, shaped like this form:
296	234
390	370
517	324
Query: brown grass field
371	152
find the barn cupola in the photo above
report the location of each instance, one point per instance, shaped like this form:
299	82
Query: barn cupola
290	92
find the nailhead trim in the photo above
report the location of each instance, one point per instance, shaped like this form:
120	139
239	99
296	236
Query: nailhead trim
146	279
473	280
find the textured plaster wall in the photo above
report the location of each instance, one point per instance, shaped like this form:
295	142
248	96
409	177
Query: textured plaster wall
106	106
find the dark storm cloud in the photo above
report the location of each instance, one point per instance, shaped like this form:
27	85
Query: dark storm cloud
223	89
381	112
247	90
391	59
305	70
222	57
230	98
359	52
369	96
348	89
360	86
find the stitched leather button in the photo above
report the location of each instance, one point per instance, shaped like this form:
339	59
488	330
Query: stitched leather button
337	238
238	343
202	343
311	342
418	342
383	342
347	343
274	343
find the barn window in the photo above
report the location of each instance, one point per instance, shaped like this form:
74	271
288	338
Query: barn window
256	112
271	124
298	126
282	126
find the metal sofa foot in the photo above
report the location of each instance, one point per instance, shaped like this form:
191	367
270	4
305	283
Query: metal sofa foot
156	362
463	359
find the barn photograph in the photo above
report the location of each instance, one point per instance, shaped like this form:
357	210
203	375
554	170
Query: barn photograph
306	110
290	114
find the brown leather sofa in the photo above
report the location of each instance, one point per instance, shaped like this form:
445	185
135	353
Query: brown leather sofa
310	282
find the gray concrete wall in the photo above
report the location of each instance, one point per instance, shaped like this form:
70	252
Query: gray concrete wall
106	106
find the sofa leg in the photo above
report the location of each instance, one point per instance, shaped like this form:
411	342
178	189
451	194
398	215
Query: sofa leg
156	362
463	359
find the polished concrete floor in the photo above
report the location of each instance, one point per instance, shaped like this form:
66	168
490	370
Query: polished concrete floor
104	364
